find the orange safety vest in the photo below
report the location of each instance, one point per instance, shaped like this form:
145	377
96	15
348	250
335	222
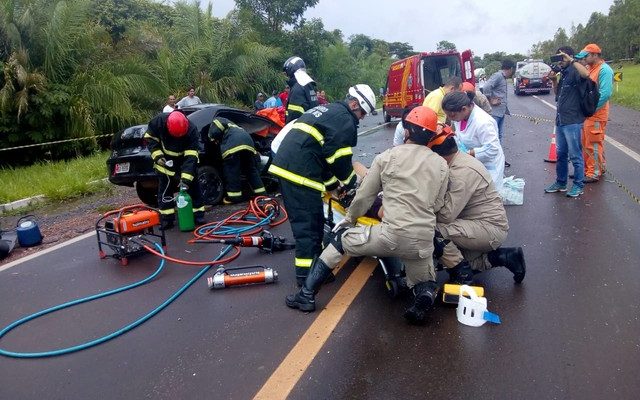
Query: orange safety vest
602	114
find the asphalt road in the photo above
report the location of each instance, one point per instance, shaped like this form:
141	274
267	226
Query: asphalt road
569	331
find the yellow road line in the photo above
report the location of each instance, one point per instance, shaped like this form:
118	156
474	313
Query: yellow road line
286	376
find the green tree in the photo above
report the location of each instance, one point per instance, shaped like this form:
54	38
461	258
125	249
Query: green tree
445	45
276	14
401	50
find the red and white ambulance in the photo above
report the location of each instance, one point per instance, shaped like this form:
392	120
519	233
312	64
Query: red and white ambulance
411	79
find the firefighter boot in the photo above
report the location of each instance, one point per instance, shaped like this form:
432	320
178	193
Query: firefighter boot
424	296
510	257
167	223
461	274
305	300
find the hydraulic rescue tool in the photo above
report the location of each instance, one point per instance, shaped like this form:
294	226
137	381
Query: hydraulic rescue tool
266	242
241	276
118	230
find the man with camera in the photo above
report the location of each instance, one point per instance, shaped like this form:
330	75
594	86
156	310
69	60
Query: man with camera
569	120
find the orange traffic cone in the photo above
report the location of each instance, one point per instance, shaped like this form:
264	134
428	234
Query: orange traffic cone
553	156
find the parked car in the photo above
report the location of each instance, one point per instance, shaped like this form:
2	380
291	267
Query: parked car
409	80
130	162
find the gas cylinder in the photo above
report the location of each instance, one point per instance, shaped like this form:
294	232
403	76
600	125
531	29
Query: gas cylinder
185	211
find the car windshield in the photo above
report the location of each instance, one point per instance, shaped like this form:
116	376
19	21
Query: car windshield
437	70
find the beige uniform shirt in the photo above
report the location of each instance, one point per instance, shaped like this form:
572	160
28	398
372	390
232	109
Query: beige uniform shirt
471	195
414	182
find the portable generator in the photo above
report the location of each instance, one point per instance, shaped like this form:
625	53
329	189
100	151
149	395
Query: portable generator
123	232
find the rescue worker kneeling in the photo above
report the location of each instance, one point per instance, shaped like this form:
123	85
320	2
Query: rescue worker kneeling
238	158
414	181
473	223
173	144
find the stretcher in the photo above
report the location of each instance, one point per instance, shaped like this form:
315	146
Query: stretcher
392	267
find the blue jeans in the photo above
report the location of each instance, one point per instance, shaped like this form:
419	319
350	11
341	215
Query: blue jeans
569	147
500	122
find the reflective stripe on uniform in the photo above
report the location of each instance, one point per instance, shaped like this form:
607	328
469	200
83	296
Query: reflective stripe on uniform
219	125
294	107
303	262
259	190
172	153
157	154
345	151
186	176
346	181
168	211
163	170
193	153
234	194
239	148
147	135
310	130
198	209
331	181
295	178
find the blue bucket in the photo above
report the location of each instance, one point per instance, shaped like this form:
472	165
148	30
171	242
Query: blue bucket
28	232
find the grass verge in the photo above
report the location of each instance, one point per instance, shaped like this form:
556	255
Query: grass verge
627	92
57	180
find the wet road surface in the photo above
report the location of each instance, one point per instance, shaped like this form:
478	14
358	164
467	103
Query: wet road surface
571	330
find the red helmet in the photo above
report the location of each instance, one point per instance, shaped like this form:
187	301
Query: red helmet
441	137
423	117
177	124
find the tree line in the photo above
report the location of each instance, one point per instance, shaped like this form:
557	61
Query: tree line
617	33
80	68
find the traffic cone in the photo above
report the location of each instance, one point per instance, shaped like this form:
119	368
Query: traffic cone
553	156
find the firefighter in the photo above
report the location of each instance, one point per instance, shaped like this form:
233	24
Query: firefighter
472	223
173	143
414	181
315	156
302	95
238	158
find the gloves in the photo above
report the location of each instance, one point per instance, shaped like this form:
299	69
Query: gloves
345	223
161	161
183	186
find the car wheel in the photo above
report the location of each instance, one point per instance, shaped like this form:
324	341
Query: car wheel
387	117
148	193
211	185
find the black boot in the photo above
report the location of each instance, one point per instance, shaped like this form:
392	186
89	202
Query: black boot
166	224
461	274
305	300
510	257
424	296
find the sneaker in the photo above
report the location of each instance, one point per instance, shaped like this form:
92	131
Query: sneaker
555	187
575	191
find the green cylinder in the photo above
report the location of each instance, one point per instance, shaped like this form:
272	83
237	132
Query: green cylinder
185	212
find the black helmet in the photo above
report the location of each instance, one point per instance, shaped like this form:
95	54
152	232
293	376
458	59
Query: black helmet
292	65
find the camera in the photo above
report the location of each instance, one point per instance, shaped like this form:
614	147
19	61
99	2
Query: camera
556	68
556	58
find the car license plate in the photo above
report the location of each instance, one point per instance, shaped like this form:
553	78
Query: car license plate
122	168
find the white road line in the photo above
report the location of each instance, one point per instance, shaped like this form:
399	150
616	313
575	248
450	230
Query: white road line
45	251
373	129
607	138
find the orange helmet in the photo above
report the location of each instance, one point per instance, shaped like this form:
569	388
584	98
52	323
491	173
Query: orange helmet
468	87
437	140
177	124
423	117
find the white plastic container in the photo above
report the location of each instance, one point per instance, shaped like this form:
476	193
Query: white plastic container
471	307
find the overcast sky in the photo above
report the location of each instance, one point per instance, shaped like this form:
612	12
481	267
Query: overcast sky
483	27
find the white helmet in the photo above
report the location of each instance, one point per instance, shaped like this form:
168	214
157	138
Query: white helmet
365	96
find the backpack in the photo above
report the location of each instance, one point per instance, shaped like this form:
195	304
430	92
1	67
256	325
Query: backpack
589	97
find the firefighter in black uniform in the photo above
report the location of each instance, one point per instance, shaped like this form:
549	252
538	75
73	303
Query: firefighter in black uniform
238	158
173	143
302	95
314	157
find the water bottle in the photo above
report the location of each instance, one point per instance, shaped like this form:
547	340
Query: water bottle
186	221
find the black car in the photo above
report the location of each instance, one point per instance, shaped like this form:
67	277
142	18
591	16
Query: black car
130	162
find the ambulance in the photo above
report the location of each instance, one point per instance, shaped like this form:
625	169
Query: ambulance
411	79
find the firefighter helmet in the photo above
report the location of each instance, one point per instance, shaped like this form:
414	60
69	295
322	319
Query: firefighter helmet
365	96
292	65
424	117
177	124
440	138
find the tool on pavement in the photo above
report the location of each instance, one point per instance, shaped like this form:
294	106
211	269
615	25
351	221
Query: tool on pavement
116	231
472	310
241	276
266	242
28	231
451	292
